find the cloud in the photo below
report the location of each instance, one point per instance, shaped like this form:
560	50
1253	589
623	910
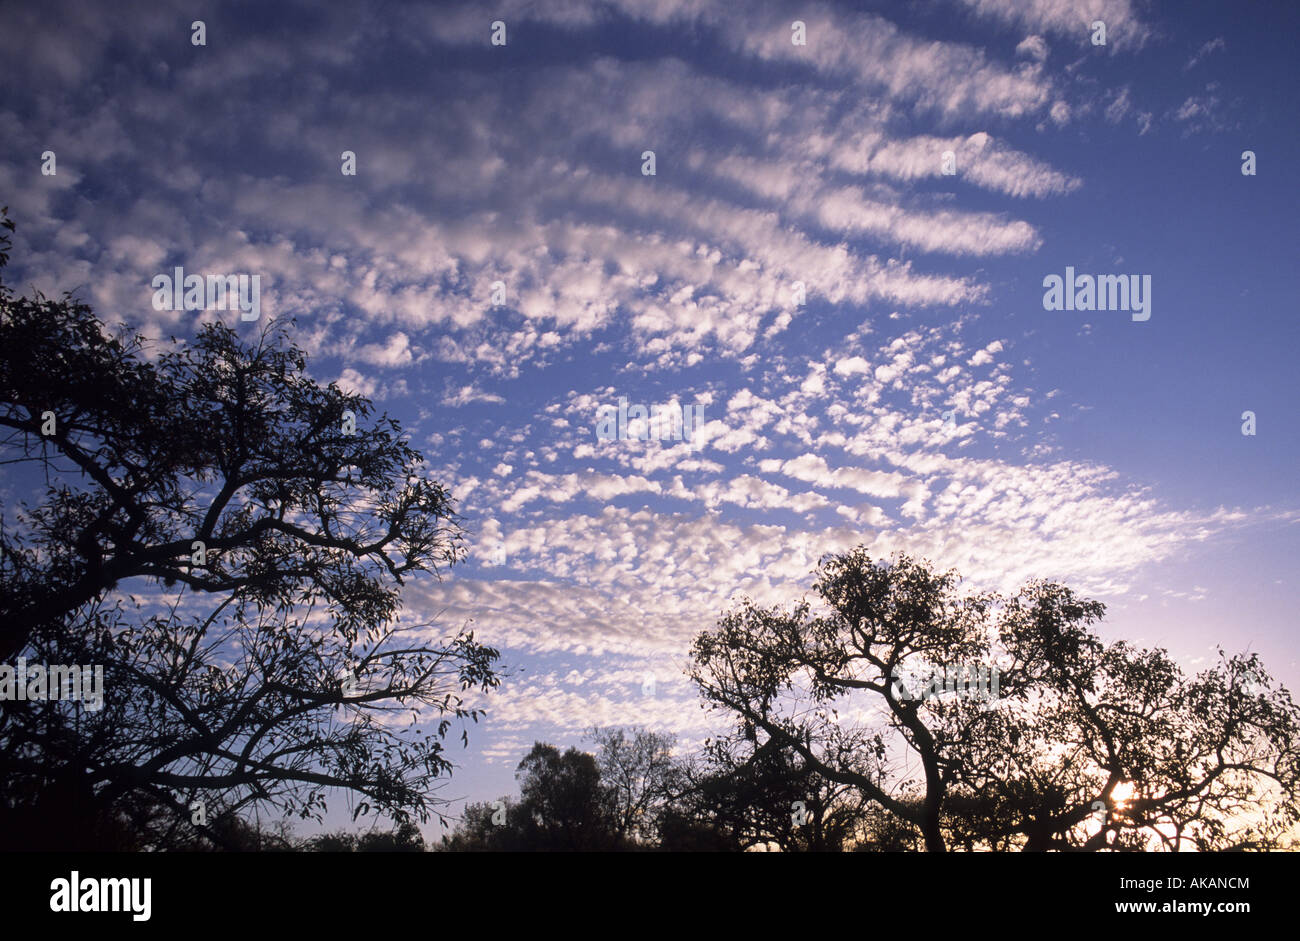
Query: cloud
980	159
1034	47
396	352
1204	52
466	395
1200	113
985	356
1069	19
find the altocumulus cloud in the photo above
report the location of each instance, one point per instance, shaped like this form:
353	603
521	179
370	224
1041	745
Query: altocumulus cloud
499	267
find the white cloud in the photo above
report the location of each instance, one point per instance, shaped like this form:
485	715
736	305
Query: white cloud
465	395
1069	19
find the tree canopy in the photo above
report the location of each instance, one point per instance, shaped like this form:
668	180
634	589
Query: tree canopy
228	538
1090	745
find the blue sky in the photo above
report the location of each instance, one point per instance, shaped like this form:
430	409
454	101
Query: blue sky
1084	446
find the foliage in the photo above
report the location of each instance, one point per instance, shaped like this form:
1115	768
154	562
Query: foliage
205	522
1208	761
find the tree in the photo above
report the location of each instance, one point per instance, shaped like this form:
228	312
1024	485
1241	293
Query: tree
281	479
743	796
641	775
486	827
228	539
562	802
1207	761
563	807
405	838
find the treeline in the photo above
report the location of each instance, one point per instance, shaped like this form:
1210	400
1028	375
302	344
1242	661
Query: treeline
633	793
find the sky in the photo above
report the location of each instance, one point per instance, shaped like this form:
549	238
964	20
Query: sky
919	399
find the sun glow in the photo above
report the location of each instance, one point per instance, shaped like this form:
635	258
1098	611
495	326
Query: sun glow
1121	795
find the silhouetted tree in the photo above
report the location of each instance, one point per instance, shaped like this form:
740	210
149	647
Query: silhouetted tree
563	807
639	771
480	832
741	795
286	528
232	446
562	803
405	838
1210	761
